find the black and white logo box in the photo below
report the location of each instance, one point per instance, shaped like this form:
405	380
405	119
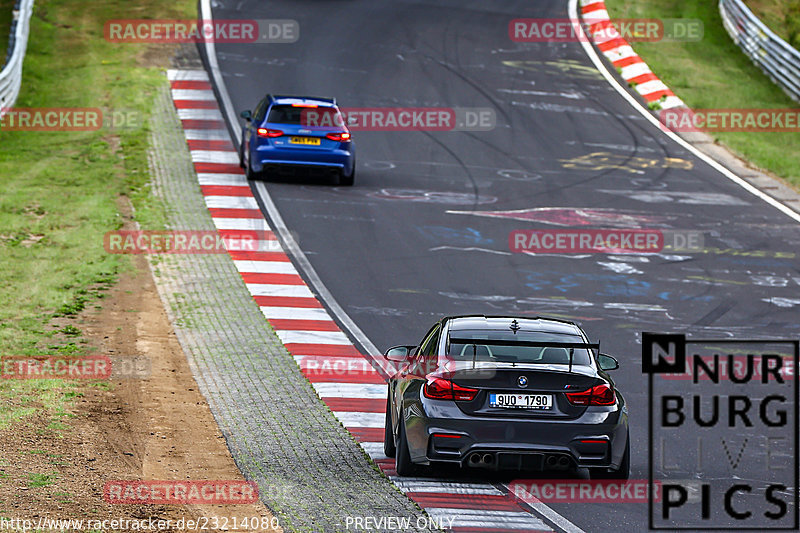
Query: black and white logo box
723	433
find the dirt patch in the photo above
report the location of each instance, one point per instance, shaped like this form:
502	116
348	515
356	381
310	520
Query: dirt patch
157	427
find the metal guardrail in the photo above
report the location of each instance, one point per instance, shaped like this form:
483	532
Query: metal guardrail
11	75
772	54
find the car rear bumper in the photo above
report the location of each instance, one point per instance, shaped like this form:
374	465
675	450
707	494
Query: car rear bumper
266	156
596	439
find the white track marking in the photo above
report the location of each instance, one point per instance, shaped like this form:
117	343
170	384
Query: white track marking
313	337
255	224
265	267
221	179
295	313
509	520
352	419
292	291
350	390
231	202
199	114
187	75
229	157
484	489
207	135
193	94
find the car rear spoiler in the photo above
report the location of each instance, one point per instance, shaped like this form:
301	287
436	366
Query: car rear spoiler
531	344
330	100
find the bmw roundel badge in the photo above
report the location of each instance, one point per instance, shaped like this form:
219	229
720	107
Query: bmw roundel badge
522	381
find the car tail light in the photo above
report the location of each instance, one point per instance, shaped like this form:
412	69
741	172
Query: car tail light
597	395
305	105
341	137
443	389
264	132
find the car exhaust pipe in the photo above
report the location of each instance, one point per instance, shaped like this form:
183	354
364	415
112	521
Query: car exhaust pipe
551	461
563	462
487	459
475	459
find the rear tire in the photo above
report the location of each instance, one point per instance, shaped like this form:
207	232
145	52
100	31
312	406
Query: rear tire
624	470
249	173
347	181
403	463
389	447
241	154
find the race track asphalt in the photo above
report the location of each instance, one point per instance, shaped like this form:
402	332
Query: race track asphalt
425	230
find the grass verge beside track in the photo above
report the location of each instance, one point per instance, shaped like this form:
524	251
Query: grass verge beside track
60	192
781	16
715	74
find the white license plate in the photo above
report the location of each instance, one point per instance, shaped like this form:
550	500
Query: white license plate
521	401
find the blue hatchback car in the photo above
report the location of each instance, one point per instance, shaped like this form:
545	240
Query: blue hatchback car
297	135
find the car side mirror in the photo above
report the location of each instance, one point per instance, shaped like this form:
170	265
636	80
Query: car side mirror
247	115
399	354
607	362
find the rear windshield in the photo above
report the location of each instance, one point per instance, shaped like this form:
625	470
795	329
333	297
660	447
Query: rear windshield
305	116
467	346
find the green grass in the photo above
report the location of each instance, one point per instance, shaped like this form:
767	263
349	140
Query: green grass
41	480
59	191
781	16
714	73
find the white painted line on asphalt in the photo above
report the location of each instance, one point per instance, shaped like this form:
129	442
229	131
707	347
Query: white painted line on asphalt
350	390
313	337
204	95
293	291
265	267
199	114
231	202
188	75
295	313
221	179
229	157
255	224
352	419
208	135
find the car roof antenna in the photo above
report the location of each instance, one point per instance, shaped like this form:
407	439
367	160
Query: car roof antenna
474	354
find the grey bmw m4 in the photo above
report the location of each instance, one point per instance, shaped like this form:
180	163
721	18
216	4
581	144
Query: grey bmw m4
506	394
